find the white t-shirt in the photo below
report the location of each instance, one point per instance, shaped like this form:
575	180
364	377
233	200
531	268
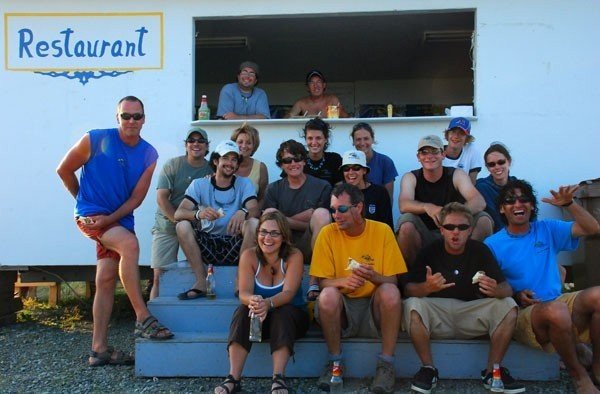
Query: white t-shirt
469	160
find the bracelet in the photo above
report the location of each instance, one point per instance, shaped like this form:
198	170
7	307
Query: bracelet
197	215
245	212
272	306
567	204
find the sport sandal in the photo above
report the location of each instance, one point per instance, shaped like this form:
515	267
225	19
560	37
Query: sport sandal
150	328
110	356
279	383
237	385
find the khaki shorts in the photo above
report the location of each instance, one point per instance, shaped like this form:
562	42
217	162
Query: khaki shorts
427	235
359	314
449	318
164	249
524	331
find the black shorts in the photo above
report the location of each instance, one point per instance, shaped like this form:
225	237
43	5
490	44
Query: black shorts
218	249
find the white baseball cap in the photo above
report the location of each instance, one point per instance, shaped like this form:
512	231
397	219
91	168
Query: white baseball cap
352	157
227	146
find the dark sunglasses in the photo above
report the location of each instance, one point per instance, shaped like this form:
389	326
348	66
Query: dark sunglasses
510	200
493	164
354	167
288	160
273	233
340	209
426	152
198	140
127	116
452	227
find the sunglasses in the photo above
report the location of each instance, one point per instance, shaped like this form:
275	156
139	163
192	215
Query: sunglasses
272	233
426	152
354	167
127	116
340	209
510	200
493	164
452	227
288	160
198	140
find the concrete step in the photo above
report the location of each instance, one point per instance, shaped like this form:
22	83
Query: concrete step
193	354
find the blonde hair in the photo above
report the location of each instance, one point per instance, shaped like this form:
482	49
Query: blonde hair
245	128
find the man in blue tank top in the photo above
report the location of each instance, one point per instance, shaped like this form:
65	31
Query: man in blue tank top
425	191
116	170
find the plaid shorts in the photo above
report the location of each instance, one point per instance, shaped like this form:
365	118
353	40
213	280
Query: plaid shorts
218	249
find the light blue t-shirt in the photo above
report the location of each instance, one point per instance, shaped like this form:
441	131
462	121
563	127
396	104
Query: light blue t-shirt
381	169
111	173
232	99
528	261
205	192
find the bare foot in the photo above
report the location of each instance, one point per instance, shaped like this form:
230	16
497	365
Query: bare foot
585	386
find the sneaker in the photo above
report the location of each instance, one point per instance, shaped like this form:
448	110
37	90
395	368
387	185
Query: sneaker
385	378
325	378
425	380
511	386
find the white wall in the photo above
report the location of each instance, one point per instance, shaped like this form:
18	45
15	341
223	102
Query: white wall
537	90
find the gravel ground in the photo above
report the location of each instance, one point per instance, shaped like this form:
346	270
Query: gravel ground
39	358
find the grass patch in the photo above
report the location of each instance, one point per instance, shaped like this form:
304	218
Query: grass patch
73	311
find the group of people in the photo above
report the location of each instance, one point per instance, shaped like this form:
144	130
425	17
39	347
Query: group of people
244	100
431	275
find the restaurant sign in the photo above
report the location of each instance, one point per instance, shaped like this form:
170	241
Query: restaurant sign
83	46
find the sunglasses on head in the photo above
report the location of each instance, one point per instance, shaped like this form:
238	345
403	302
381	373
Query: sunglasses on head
354	167
493	164
288	160
198	140
135	116
272	233
452	227
341	209
510	200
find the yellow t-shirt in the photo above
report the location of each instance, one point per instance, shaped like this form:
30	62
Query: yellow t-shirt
376	246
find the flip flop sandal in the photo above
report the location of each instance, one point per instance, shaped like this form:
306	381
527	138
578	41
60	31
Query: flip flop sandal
237	385
197	293
150	328
110	357
279	381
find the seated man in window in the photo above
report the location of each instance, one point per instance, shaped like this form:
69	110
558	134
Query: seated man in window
217	217
243	100
317	102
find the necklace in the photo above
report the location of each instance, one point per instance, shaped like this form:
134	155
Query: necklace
318	166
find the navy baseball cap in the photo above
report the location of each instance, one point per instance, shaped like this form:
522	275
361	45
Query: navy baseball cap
460	123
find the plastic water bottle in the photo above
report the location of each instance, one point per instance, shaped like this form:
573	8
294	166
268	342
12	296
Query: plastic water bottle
497	384
211	285
336	385
204	111
255	329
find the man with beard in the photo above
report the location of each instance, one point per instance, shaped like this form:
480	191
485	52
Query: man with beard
217	217
242	99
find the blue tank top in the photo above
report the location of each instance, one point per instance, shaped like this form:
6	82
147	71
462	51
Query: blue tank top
270	291
110	175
